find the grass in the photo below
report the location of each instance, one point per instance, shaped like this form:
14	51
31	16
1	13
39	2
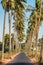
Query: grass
32	54
22	50
6	55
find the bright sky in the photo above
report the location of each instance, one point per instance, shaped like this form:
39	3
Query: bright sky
29	2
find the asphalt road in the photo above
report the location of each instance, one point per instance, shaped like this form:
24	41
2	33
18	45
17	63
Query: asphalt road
20	59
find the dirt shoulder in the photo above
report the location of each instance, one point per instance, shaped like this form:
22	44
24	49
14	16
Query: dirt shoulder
33	60
5	61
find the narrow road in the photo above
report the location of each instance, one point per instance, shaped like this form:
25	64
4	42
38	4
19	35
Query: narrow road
20	59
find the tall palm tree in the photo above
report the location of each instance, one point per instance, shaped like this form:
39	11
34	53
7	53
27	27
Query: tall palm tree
7	6
38	20
9	13
19	28
18	15
3	34
29	36
4	25
10	7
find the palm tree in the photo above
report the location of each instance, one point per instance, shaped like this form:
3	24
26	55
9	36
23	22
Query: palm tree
4	25
18	16
7	5
38	20
19	28
3	34
29	37
9	29
37	24
20	31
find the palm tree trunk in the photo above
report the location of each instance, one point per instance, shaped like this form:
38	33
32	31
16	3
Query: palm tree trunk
29	42
41	52
36	35
36	44
3	39
37	27
13	47
31	39
9	31
16	38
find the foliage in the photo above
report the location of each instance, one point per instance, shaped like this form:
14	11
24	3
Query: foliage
6	4
19	18
38	3
7	41
40	41
22	45
20	30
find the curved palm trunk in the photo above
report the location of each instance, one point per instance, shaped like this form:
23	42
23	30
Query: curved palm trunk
3	39
9	31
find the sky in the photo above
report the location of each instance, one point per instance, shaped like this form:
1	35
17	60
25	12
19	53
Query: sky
29	2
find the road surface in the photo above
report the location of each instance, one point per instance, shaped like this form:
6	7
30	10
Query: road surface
20	59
